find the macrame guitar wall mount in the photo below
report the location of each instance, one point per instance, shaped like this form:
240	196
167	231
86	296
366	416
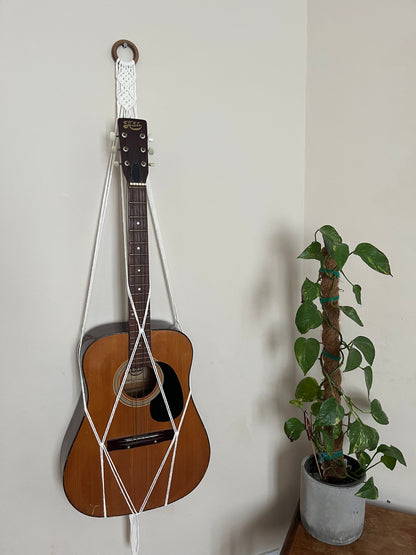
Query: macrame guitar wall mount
136	440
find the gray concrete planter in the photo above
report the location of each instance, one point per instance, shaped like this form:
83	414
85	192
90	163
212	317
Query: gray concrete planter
331	513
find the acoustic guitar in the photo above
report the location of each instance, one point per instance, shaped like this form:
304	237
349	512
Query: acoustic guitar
156	441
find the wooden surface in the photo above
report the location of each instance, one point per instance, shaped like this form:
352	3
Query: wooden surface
385	532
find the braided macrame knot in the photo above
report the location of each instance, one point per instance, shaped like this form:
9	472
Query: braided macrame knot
126	88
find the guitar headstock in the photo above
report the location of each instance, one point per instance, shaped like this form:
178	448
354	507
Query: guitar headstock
134	149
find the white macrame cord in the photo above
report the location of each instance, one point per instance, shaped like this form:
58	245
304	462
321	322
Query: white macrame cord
127	107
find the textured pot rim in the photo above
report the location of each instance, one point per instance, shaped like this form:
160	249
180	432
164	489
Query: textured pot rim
349	485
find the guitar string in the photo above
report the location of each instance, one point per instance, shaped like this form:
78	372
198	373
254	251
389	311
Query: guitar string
131	305
142	334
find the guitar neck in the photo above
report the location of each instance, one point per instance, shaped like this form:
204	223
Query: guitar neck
134	149
138	270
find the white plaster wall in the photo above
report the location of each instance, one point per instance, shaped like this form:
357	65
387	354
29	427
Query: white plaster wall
360	177
222	84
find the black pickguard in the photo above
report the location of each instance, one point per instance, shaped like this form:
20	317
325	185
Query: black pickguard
174	396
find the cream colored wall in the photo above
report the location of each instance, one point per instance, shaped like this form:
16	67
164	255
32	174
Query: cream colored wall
360	177
222	85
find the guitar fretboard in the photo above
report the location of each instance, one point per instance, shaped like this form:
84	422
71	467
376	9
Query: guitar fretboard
138	271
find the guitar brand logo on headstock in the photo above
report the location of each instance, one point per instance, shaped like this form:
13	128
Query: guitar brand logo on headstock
133	124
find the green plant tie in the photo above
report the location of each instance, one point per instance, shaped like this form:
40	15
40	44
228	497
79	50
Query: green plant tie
329	272
322	456
328	299
334	357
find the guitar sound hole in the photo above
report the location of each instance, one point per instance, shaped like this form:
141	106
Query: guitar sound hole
141	385
140	382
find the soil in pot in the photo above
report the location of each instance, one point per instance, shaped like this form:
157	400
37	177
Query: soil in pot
353	473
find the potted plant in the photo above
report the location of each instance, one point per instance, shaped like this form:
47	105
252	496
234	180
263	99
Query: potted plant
331	417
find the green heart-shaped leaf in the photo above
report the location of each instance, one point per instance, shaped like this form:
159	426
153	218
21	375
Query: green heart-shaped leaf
392	451
364	460
340	252
366	347
362	437
313	251
306	352
388	461
354	360
330	236
315	407
356	289
378	413
351	313
369	490
368	376
373	257
310	290
308	317
293	428
307	390
330	413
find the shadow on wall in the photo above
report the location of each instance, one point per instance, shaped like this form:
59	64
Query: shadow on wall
276	294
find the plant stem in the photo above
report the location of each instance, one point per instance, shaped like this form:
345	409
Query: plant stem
331	340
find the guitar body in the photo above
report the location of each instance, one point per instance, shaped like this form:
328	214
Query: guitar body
139	417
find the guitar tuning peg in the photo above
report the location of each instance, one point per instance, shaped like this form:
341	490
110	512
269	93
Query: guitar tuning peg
113	136
116	163
149	138
150	151
151	164
113	148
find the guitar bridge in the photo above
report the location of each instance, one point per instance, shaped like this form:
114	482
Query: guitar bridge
140	440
